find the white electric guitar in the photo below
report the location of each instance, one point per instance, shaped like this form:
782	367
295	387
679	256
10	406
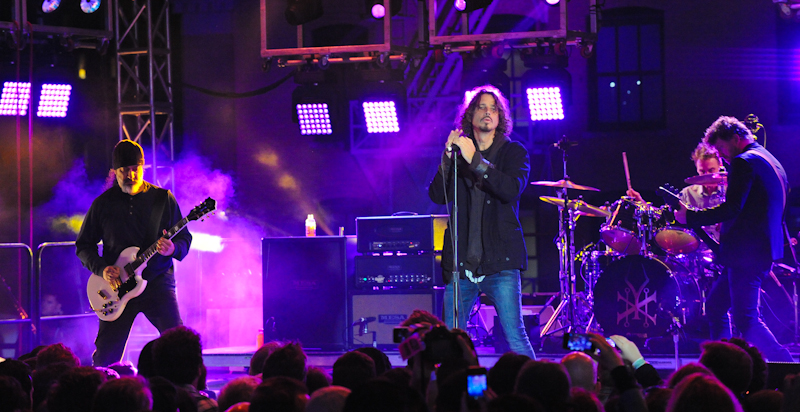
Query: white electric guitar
107	302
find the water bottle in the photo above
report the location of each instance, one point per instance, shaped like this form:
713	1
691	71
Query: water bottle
311	225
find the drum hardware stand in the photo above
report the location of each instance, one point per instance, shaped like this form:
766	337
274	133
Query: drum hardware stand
566	248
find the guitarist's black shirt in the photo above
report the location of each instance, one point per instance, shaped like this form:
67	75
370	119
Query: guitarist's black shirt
120	220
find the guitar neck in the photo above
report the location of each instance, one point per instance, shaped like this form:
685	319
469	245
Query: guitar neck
153	249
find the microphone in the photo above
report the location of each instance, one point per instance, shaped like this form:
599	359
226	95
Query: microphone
453	148
363	321
751	121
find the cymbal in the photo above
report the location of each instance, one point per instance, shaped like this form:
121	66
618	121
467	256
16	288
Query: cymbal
564	184
707	179
583	208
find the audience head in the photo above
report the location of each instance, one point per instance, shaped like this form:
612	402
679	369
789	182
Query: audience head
398	376
75	389
686	370
289	360
316	378
764	400
503	375
237	390
658	398
146	365
330	399
382	395
547	382
585	401
582	370
382	362
731	364
56	353
165	394
353	369
124	368
759	380
261	355
702	393
22	373
43	379
178	355
14	399
422	316
514	402
129	394
279	394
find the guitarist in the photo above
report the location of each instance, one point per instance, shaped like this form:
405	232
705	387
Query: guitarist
133	213
751	237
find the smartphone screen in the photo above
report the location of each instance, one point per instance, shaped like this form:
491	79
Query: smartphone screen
577	342
476	382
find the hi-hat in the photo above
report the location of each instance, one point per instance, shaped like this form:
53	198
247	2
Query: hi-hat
568	184
707	179
583	208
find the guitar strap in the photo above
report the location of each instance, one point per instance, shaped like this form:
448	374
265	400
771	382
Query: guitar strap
775	169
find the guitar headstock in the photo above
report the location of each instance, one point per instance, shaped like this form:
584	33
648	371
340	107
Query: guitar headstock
208	206
670	194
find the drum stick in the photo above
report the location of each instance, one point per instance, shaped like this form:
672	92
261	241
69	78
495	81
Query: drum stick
627	172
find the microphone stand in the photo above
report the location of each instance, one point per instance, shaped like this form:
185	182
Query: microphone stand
456	274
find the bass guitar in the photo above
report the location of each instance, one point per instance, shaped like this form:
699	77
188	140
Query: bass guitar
109	303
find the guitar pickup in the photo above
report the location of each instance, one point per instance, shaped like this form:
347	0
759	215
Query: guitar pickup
102	294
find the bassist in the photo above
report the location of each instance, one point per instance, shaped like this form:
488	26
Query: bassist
133	212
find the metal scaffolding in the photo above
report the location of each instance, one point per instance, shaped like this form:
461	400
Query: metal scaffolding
144	83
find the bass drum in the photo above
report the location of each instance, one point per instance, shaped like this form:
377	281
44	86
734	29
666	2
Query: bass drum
642	296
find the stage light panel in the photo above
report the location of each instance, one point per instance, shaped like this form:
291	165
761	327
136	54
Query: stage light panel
381	117
54	100
15	96
545	103
314	118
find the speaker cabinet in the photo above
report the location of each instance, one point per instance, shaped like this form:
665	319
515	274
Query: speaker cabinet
305	289
389	309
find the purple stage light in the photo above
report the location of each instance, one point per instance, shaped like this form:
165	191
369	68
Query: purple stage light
381	117
545	103
54	100
460	5
314	118
378	11
15	96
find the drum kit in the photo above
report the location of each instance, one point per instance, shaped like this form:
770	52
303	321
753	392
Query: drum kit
646	277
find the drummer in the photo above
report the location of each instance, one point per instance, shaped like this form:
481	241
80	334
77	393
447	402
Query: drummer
706	159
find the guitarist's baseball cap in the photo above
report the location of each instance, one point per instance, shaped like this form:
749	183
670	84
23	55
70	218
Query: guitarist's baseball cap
127	153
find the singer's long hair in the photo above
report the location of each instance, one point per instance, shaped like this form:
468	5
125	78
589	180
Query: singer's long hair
467	110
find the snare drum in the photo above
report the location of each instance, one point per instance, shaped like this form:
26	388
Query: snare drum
677	240
674	238
640	296
621	230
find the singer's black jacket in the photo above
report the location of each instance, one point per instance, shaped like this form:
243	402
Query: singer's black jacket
752	213
503	183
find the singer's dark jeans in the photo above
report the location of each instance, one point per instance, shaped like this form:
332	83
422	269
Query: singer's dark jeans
737	289
504	290
159	304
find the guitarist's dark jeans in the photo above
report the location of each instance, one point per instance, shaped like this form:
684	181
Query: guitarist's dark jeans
738	289
159	304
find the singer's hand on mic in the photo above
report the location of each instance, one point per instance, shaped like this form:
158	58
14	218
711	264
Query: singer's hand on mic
465	144
451	141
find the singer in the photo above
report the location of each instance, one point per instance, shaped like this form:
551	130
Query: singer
492	173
